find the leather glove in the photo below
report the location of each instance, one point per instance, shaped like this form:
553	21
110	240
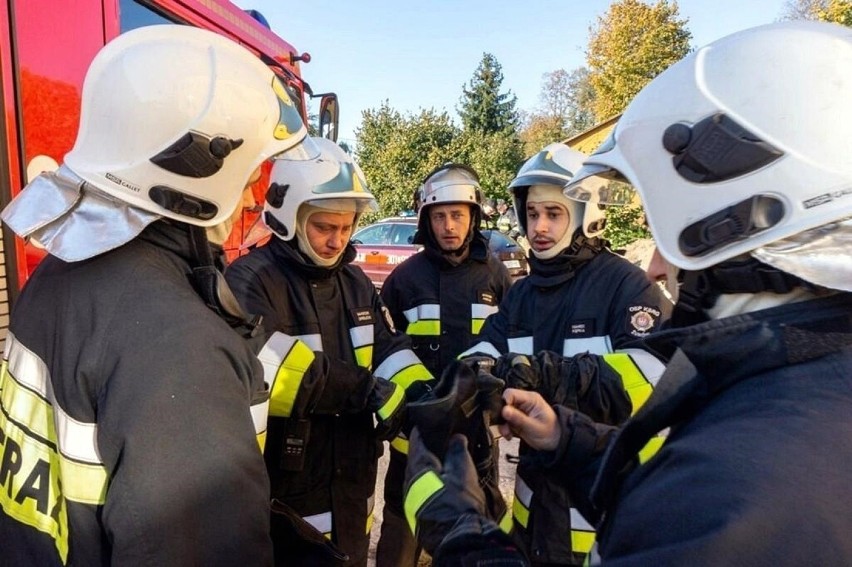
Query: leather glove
347	388
438	493
518	370
387	401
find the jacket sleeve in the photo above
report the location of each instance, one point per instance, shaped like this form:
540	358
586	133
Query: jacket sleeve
176	431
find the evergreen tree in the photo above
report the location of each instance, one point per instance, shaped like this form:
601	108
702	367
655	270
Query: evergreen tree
484	108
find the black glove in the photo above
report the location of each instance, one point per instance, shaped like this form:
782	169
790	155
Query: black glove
519	371
387	401
465	402
436	493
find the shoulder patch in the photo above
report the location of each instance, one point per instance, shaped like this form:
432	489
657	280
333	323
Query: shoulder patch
388	319
642	319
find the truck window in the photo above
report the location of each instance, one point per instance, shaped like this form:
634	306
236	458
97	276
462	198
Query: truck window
135	15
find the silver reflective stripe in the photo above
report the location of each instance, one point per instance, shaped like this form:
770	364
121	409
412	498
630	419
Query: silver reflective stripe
76	439
578	522
396	362
425	312
592	345
482	311
361	335
371	503
521	345
483	347
273	353
260	415
322	522
314	341
647	363
523	491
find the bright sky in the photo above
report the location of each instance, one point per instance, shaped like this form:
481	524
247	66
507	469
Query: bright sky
420	54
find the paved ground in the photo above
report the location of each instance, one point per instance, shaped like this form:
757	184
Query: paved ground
507	485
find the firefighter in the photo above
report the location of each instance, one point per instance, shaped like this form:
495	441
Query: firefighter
126	432
322	447
440	298
507	220
571	317
758	393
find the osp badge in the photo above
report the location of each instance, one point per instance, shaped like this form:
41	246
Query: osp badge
642	319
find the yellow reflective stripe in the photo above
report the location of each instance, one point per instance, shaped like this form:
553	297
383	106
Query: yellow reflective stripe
639	389
506	522
582	532
424	328
476	326
288	379
30	489
582	542
396	362
410	375
650	449
396	400
371	503
520	513
423	320
261	441
420	491
362	343
635	384
364	357
83	482
400	444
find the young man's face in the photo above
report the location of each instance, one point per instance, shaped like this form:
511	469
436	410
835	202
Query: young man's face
328	233
450	225
547	222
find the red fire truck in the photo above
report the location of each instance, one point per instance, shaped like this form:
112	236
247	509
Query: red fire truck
45	49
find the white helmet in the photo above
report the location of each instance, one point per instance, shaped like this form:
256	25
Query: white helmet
556	165
332	180
743	143
449	183
174	120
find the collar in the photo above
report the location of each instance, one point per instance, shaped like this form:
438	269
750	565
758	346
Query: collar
287	252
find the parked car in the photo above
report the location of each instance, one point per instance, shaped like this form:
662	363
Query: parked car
389	242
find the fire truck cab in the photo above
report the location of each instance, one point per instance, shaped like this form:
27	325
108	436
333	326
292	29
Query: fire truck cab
45	49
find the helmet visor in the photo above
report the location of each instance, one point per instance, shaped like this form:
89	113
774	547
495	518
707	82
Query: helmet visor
304	151
595	183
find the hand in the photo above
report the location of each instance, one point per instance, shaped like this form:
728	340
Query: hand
518	370
387	401
531	418
437	494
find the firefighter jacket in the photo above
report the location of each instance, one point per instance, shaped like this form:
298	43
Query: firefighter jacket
442	306
126	431
321	449
591	301
755	468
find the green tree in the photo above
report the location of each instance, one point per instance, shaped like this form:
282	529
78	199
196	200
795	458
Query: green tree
630	45
495	156
396	151
836	11
483	107
538	130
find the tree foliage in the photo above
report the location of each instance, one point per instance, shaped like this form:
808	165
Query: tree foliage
396	151
496	157
836	11
538	130
630	45
483	107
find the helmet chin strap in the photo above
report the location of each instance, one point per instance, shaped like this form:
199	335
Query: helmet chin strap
210	284
700	289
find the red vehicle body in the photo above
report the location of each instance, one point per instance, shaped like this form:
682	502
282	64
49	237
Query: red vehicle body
45	49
